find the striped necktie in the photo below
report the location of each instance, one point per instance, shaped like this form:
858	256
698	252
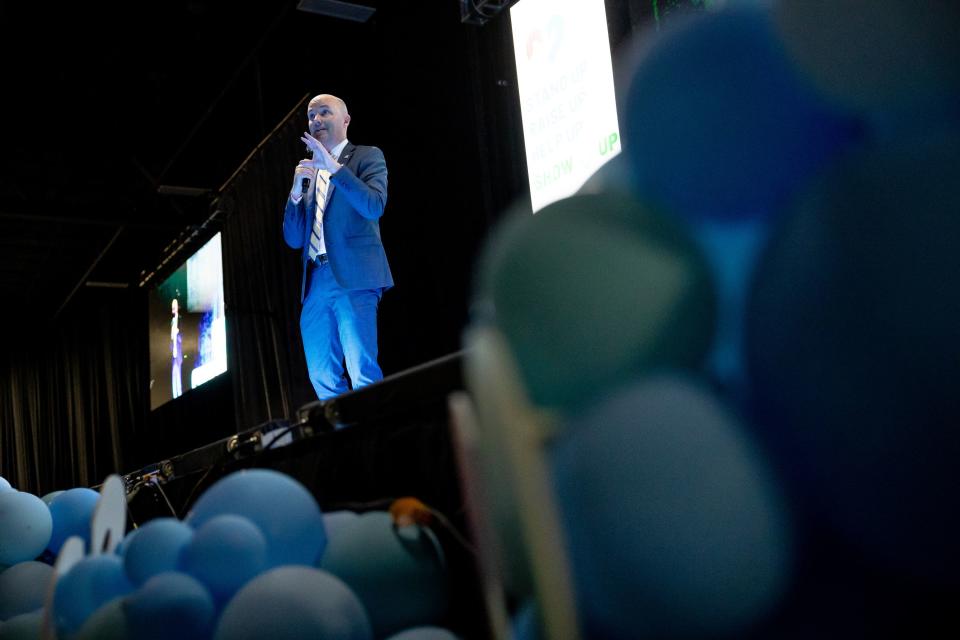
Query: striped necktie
317	245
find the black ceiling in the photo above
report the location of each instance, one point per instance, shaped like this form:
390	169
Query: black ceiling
107	106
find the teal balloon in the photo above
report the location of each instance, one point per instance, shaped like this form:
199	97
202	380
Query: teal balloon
399	573
893	55
224	554
424	633
89	584
285	512
155	549
26	626
4	485
592	290
615	176
335	522
106	623
674	521
47	499
294	603
72	511
853	345
170	605
23	588
526	623
719	124
25	527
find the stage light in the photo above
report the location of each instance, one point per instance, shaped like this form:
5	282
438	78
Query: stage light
337	9
478	12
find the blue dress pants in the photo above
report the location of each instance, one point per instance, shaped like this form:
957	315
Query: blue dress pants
339	327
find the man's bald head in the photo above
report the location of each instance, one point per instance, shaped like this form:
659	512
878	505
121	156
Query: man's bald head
326	97
328	118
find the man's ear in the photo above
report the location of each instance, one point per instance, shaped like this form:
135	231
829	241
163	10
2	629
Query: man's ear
346	120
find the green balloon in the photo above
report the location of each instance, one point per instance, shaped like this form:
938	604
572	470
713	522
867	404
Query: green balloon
109	622
593	290
26	626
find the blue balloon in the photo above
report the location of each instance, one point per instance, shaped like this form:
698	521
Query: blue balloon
852	344
170	605
294	603
399	573
25	527
718	123
674	523
124	544
4	485
23	588
155	548
286	513
72	511
89	584
224	554
732	249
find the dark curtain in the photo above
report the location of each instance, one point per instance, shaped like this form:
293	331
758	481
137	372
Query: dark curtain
72	396
262	281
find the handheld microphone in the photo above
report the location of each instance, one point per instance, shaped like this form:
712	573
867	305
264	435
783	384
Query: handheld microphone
305	182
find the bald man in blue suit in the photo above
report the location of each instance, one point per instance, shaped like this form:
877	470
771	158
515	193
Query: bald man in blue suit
332	215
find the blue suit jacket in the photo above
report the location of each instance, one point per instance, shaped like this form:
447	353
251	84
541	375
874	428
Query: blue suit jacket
351	228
